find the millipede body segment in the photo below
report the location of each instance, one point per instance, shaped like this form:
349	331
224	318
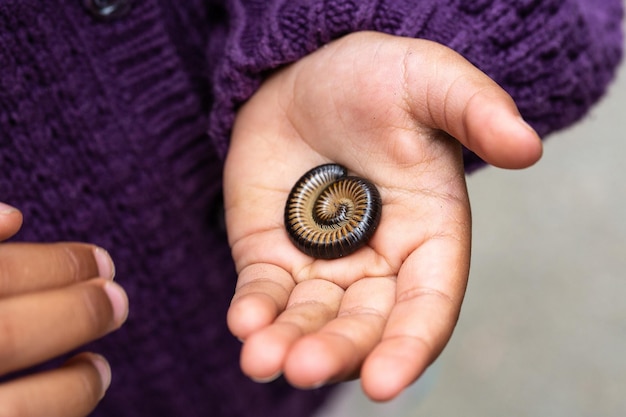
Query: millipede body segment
330	214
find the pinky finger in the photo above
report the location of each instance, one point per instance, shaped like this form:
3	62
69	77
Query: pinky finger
72	390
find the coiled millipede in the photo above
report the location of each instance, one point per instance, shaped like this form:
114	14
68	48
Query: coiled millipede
330	214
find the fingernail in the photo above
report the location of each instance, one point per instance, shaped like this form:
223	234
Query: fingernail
119	301
316	385
268	379
104	369
106	267
313	386
6	209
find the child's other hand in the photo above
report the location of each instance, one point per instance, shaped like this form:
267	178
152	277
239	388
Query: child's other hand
387	108
53	299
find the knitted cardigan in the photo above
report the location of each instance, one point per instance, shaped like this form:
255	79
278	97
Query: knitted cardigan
114	132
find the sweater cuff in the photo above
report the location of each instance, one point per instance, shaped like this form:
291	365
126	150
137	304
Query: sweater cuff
267	34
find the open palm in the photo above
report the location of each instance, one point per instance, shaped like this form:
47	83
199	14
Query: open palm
386	108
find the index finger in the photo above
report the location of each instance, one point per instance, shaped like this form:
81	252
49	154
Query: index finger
27	267
430	289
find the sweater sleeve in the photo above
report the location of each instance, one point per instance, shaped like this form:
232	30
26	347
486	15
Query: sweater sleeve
555	57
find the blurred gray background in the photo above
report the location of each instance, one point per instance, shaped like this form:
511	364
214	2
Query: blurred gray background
543	327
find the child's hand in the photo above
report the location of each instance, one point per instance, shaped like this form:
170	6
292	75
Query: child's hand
53	299
378	105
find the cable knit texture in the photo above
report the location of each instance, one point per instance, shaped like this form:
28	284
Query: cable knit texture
114	133
555	57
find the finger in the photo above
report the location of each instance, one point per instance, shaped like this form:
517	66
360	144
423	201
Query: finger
39	326
261	295
73	390
311	305
430	289
470	106
26	267
10	221
337	351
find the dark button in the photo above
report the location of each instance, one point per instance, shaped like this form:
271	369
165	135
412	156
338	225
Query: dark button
108	9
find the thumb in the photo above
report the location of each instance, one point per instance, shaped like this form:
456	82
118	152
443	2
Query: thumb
10	221
467	104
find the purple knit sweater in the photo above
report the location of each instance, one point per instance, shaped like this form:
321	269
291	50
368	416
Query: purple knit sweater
113	132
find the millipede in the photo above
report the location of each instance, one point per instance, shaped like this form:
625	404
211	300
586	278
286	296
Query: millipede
330	214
